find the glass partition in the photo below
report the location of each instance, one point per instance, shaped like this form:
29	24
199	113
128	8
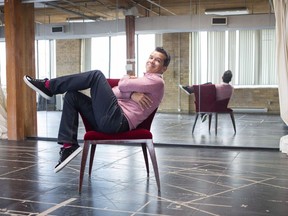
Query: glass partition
200	51
3	64
3	93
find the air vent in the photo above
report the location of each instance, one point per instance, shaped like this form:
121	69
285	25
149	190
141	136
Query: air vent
57	29
219	21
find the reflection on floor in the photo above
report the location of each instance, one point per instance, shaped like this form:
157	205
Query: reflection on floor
194	181
253	131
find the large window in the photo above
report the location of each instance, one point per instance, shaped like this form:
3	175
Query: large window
145	44
249	54
45	58
100	54
108	54
118	56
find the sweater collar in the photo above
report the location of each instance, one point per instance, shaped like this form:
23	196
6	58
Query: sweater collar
153	74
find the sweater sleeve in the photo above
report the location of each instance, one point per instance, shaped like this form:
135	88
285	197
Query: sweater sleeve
121	95
145	84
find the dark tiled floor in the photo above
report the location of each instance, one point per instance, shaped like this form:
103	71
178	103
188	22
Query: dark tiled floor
195	181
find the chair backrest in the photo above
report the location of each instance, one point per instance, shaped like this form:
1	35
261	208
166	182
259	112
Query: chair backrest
205	97
113	82
222	105
146	124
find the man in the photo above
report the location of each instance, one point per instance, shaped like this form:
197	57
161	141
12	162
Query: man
108	110
223	90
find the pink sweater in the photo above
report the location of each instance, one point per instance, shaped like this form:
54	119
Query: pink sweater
223	91
151	84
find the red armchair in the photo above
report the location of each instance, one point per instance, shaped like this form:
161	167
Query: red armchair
205	102
140	135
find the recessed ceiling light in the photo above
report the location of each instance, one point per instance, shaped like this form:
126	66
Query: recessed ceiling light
227	11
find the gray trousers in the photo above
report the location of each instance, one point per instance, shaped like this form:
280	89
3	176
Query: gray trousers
102	110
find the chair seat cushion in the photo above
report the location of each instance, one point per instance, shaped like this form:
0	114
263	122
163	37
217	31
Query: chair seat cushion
133	134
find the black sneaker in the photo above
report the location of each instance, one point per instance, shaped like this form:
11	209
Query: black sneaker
66	155
188	90
38	85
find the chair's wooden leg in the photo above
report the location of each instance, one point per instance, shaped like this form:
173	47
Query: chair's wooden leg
196	117
216	123
144	150
233	121
83	164
92	153
152	153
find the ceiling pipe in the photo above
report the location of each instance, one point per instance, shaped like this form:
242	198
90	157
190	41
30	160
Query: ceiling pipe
86	8
52	3
271	6
148	9
70	11
158	5
145	8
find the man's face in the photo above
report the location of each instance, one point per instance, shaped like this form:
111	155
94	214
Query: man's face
155	63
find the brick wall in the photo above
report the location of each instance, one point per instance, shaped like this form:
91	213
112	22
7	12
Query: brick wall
68	56
177	44
256	97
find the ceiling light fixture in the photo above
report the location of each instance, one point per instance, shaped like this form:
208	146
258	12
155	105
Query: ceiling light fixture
82	20
227	11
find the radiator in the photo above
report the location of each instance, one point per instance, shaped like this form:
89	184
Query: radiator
250	110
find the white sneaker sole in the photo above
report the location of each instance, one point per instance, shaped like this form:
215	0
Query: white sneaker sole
67	160
181	87
36	89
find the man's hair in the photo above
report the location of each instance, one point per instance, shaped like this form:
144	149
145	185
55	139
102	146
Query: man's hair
227	76
167	59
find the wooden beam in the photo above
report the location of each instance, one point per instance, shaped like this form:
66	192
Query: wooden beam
130	44
20	60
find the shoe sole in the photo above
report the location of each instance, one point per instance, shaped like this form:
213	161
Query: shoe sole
67	160
184	90
36	89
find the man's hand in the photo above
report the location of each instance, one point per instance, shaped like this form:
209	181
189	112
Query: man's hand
142	99
133	77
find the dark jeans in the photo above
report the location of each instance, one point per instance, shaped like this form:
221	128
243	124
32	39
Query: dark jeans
101	110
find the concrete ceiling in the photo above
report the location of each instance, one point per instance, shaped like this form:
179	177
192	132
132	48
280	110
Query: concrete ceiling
60	11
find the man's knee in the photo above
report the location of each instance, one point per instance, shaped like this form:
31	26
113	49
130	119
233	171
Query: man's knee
97	73
76	96
71	95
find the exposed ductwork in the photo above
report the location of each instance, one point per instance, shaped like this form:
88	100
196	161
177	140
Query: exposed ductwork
58	11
